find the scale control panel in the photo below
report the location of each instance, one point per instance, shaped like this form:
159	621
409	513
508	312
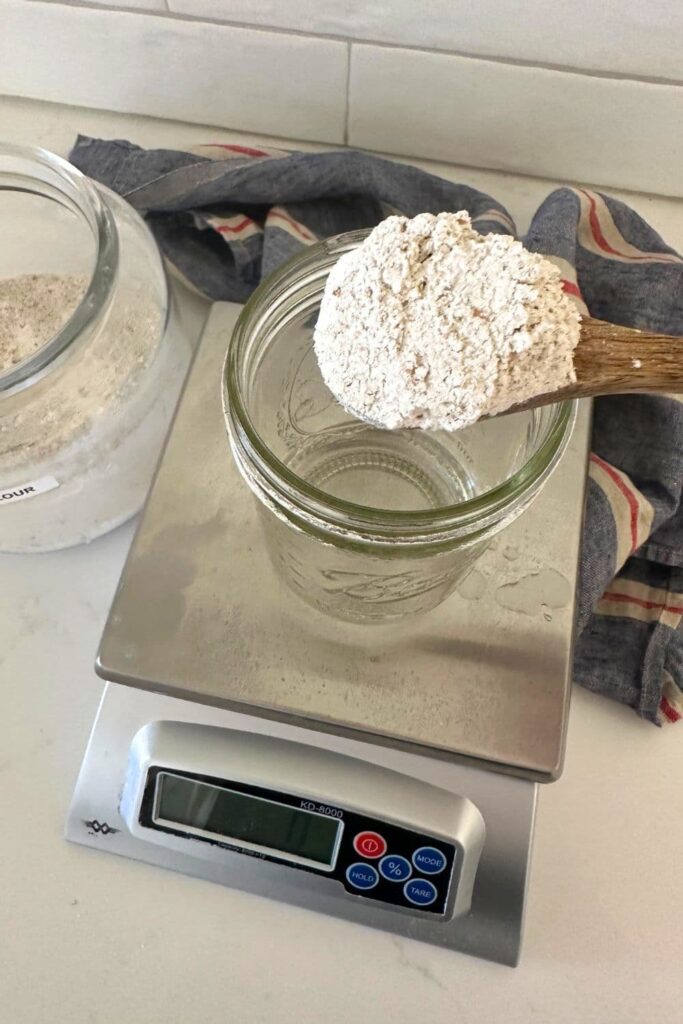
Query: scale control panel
374	833
422	878
371	858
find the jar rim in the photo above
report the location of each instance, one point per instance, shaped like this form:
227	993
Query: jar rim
285	487
44	173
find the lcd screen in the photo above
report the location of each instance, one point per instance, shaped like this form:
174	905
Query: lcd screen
241	817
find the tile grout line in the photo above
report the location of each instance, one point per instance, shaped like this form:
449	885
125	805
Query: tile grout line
565	69
347	108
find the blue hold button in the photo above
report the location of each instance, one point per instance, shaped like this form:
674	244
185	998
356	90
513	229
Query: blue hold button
420	892
429	860
395	869
362	876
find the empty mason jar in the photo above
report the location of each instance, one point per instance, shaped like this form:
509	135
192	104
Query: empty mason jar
362	523
91	361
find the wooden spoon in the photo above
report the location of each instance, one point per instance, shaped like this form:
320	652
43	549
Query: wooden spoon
614	360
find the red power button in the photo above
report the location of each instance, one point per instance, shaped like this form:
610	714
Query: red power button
370	845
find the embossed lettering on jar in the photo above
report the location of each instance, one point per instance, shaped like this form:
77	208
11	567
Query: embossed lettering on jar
365	524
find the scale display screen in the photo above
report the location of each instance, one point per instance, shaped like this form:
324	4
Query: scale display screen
255	822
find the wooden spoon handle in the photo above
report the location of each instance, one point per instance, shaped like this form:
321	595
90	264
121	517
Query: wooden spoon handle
614	360
610	359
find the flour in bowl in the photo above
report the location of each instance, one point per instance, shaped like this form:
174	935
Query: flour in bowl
78	446
430	324
33	307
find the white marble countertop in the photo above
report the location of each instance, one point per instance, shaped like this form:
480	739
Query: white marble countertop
86	939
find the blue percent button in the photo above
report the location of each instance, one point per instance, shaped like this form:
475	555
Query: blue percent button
395	869
362	876
429	860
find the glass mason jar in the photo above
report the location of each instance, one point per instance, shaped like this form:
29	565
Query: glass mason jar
362	523
84	407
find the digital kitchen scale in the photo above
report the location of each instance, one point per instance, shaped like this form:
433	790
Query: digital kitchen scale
383	774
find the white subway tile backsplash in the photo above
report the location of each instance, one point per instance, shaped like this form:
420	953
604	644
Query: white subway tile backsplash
204	73
500	113
631	37
530	120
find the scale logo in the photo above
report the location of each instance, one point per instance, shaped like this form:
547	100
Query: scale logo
96	827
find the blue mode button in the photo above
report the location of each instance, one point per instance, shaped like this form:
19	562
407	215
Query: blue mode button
362	876
420	892
429	860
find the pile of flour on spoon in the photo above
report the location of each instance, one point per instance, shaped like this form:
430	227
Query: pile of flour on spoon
430	324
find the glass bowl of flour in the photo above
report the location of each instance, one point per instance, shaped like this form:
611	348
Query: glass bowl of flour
91	363
366	524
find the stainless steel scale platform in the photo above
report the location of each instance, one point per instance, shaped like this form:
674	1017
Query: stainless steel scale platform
404	758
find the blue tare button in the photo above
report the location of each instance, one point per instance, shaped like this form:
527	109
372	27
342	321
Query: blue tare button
429	860
420	892
395	869
362	876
